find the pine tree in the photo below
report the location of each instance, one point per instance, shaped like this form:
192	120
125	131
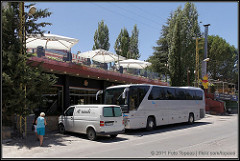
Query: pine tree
159	59
223	59
101	37
16	73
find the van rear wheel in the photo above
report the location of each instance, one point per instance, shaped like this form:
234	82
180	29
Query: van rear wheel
91	134
61	128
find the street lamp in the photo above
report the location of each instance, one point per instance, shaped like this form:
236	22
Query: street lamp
197	70
207	59
32	10
22	29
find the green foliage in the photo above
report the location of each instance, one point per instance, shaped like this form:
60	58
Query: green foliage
122	43
133	52
223	60
22	84
175	51
32	27
127	46
159	59
101	37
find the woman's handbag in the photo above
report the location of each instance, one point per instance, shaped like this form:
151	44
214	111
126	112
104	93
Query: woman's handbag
33	127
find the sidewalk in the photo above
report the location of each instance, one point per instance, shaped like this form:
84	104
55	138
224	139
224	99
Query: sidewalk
24	148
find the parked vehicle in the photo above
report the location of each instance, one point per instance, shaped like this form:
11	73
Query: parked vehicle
148	106
92	120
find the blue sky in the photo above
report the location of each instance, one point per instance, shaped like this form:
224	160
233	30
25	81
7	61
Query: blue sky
80	20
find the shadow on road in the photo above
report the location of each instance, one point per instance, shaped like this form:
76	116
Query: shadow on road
57	139
106	139
164	128
50	139
102	139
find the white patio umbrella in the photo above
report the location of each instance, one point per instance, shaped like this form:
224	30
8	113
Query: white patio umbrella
50	41
101	56
135	64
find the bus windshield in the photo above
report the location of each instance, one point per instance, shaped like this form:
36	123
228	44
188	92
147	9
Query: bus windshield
114	96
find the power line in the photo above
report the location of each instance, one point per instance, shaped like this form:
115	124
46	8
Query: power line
130	11
148	12
124	16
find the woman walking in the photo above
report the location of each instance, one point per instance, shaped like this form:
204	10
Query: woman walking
41	123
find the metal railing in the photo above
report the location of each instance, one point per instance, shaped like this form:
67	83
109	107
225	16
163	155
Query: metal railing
73	58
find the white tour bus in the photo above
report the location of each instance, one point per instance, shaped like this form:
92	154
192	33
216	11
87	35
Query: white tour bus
148	106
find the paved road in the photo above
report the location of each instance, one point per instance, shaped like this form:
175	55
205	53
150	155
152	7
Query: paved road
211	137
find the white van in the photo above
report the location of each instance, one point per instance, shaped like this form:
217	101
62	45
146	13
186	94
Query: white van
92	120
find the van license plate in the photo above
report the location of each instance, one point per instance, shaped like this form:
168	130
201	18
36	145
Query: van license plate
108	123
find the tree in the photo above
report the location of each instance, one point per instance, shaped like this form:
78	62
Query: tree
122	43
190	30
101	37
176	50
176	47
223	60
22	84
133	52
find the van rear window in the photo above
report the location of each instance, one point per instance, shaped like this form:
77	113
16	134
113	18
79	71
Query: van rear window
112	112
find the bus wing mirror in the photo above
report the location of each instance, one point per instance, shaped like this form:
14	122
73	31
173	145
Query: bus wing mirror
98	93
125	93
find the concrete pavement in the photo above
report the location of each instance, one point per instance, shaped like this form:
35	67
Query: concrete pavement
56	145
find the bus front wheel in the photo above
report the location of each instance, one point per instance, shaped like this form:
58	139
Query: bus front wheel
150	123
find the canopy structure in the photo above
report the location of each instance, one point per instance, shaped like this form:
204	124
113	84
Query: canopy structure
50	41
101	56
133	63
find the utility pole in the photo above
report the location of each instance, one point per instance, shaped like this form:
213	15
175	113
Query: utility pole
22	37
204	64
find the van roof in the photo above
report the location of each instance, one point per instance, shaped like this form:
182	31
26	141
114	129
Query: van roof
95	105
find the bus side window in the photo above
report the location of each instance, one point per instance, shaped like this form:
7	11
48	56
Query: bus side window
191	95
180	95
170	94
199	95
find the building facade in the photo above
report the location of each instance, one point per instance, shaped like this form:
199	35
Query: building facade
78	83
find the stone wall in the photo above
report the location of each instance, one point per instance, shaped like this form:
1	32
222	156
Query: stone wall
7	132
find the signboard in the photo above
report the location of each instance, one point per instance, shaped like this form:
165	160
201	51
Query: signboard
223	96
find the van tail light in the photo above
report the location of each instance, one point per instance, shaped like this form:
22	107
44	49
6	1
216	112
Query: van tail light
123	122
101	123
